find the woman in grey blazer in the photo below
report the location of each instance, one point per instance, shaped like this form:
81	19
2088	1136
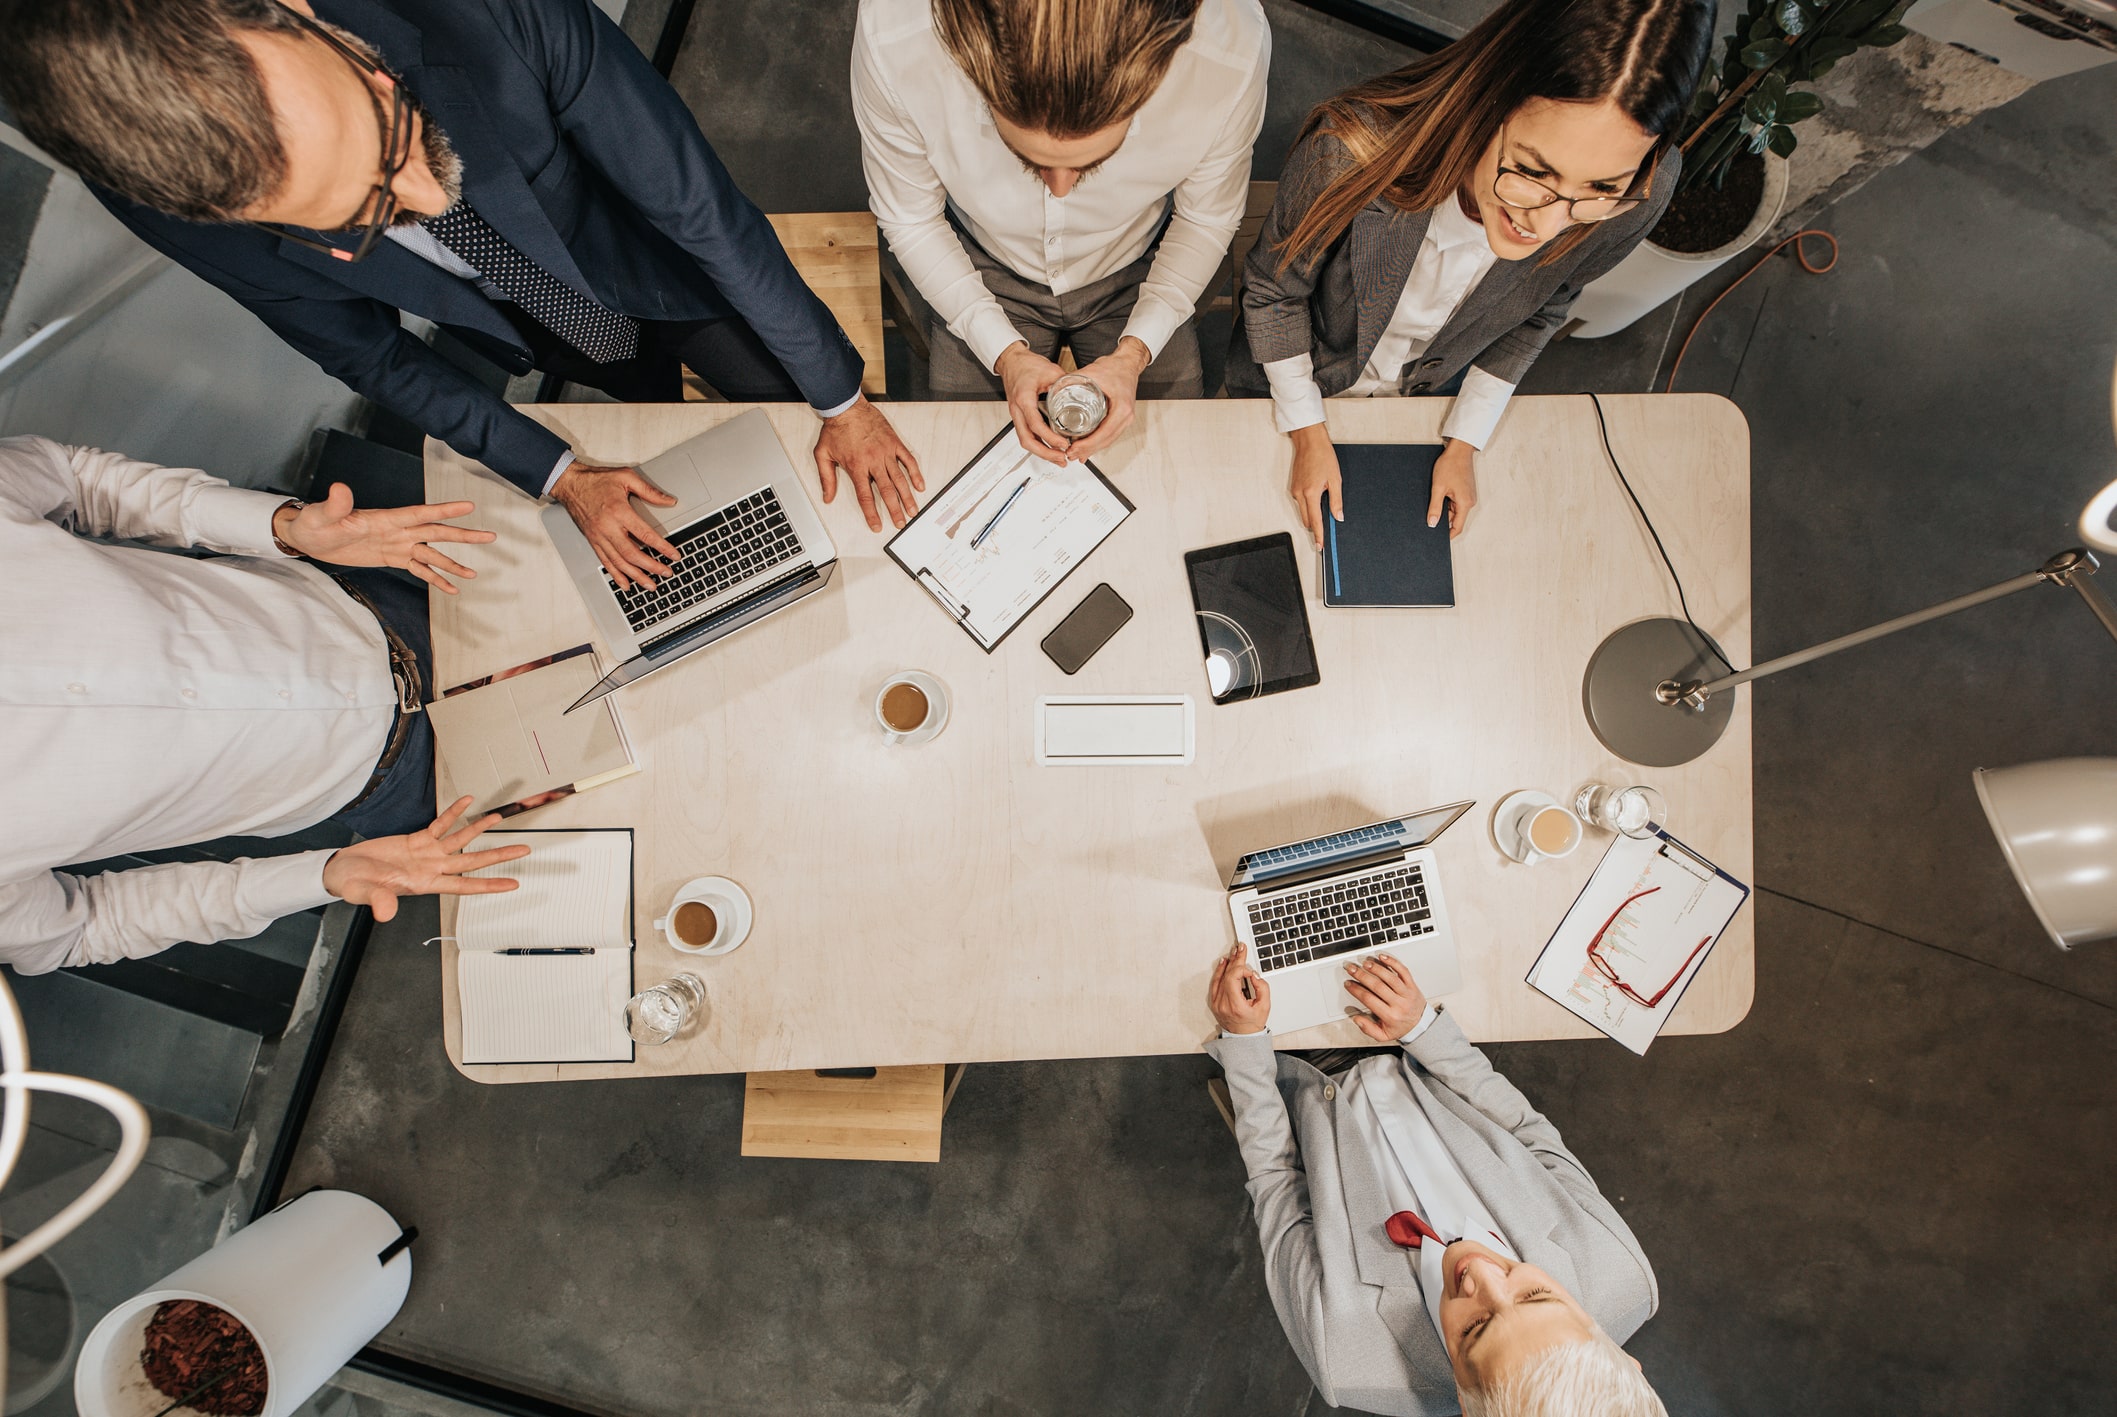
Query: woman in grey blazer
1434	225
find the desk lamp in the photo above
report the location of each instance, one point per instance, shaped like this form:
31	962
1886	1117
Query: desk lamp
1659	694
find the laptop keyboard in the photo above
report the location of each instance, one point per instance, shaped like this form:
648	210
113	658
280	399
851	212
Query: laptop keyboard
1339	917
719	551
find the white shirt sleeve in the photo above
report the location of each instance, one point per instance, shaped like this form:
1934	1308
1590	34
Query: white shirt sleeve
107	494
1208	211
1297	400
1477	408
57	920
911	206
558	470
1425	1022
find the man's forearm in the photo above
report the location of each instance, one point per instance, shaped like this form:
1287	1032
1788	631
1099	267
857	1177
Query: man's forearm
59	920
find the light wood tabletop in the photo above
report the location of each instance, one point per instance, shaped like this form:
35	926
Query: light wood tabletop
955	902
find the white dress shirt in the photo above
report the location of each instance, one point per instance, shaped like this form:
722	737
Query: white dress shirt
150	700
928	144
422	243
1452	259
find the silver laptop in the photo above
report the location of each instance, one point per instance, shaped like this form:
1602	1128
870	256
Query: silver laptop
1306	909
750	543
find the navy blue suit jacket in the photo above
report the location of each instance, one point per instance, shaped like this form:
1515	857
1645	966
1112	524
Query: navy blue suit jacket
579	153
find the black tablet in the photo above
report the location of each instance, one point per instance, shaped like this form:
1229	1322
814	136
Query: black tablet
1252	621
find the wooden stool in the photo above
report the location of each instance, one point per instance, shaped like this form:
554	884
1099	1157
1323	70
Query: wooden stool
849	1114
839	255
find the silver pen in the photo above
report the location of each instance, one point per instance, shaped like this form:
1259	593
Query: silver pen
979	539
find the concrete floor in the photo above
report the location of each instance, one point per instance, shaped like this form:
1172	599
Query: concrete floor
1883	1192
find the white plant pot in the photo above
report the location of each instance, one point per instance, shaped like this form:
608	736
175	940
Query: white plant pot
305	1280
1651	275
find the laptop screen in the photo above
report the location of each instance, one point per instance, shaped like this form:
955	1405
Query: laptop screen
1396	834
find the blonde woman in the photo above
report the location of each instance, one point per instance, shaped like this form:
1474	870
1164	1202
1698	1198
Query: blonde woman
1434	225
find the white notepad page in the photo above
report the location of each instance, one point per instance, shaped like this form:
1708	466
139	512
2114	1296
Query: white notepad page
575	893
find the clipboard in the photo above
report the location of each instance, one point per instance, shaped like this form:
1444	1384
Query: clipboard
1004	533
1657	947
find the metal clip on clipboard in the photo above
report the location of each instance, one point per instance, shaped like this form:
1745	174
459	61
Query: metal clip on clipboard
932	582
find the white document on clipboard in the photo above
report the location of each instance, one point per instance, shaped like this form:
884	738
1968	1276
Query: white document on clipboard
1651	912
1004	532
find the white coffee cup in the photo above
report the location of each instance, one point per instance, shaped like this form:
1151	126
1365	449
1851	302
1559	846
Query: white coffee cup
708	916
901	700
1547	831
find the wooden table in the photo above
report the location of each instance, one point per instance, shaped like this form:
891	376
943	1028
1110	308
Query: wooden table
956	903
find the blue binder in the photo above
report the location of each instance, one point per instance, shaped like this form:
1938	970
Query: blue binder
1383	553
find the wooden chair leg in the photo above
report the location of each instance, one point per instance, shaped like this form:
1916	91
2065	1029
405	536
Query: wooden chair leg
1217	1089
948	1088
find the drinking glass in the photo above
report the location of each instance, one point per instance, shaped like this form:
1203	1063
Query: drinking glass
670	1008
1629	811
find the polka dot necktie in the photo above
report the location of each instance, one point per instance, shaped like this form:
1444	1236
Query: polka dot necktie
602	334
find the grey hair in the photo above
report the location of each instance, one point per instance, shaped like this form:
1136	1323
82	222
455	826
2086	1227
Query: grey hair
1590	1378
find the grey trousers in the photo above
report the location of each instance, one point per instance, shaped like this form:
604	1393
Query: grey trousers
1090	321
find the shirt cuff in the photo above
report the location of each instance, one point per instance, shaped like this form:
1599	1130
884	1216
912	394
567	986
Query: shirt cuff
1425	1022
274	886
1151	323
1260	1033
989	333
1297	400
834	412
235	520
1477	409
558	470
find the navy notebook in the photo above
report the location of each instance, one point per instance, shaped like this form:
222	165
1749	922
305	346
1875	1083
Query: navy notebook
1383	553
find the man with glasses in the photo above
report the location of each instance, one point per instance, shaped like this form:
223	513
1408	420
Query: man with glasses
1430	1244
512	169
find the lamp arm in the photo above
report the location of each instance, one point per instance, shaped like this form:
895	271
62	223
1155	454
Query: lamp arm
2067	568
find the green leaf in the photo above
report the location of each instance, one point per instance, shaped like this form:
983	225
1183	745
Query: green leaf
1764	54
1797	106
1792	16
1783	140
1765	26
1885	36
1818	55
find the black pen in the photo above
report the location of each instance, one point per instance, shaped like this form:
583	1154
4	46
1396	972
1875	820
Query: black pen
546	952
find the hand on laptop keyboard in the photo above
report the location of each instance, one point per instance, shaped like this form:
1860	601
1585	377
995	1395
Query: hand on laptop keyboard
630	547
1392	998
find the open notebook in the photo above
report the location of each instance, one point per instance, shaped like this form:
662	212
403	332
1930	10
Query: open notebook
521	1002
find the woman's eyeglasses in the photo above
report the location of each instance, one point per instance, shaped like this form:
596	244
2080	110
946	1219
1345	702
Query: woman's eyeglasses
380	209
1524	193
1609	971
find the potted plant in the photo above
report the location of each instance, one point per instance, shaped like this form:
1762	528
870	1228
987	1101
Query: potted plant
1735	143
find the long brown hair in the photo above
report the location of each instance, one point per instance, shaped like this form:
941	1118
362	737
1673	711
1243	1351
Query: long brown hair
1417	135
1065	67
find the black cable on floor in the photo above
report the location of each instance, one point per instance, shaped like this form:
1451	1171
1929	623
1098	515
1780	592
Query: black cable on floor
1611	454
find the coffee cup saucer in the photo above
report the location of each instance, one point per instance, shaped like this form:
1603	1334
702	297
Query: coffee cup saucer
732	903
1507	819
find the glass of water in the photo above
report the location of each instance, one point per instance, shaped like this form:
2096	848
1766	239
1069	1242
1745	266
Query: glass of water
1630	811
673	1007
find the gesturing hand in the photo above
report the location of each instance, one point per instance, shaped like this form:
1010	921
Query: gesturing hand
1455	482
375	872
1117	375
862	441
630	547
1392	998
404	537
1315	473
1240	999
1026	374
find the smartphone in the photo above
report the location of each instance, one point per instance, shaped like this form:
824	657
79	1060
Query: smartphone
1087	629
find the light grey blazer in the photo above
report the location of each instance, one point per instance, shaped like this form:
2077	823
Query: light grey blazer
1349	1298
1335	306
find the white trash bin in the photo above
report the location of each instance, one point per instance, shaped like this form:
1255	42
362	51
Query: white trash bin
308	1280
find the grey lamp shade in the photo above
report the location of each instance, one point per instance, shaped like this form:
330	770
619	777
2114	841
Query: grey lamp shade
2057	823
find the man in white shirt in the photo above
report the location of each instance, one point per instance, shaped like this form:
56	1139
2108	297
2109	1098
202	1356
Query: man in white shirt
1428	1239
150	700
1060	173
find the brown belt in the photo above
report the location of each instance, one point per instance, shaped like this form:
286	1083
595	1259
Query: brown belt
411	694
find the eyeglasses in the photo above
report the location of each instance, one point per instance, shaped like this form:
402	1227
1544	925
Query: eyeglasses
396	152
1523	192
1609	972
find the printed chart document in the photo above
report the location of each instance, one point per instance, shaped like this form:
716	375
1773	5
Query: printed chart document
507	741
543	972
1004	532
1651	913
